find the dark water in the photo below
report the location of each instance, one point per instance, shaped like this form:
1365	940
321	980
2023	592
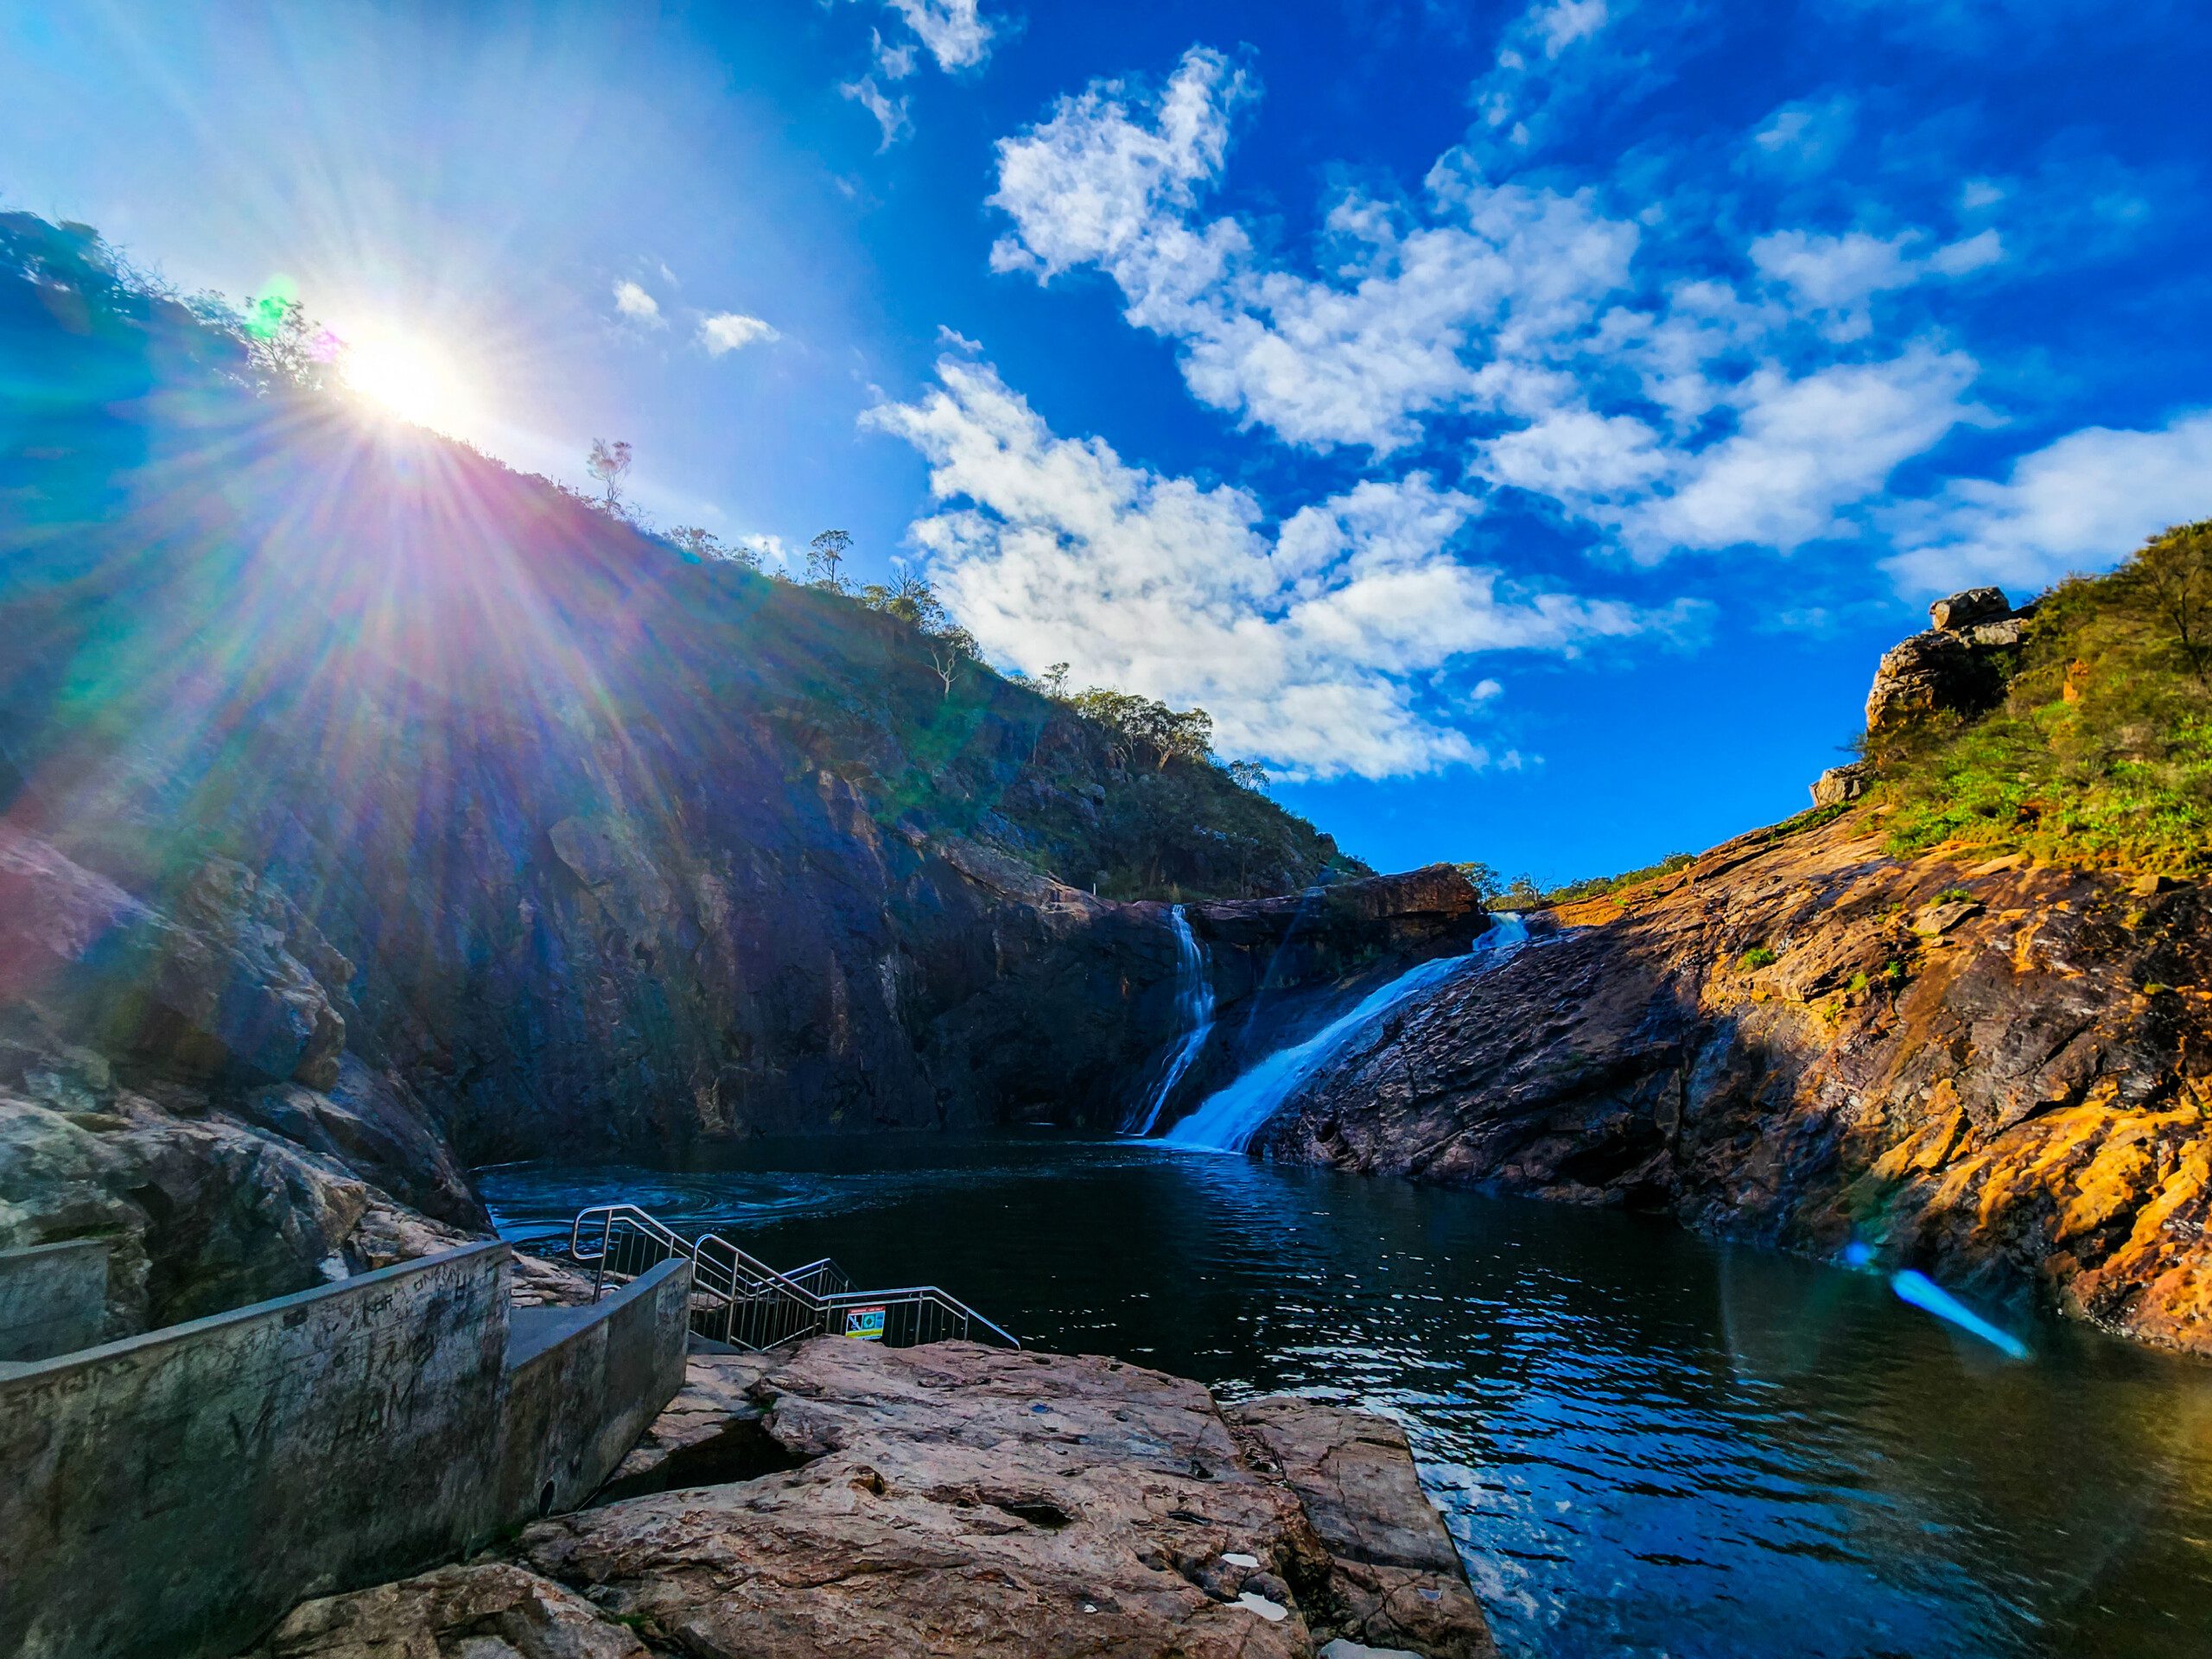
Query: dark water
1644	1443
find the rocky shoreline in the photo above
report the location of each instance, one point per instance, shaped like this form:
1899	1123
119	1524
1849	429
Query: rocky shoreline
1996	1073
953	1499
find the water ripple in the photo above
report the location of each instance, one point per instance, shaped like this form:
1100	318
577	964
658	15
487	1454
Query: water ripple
1641	1442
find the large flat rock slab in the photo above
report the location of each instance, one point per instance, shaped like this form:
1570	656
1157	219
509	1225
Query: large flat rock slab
955	1500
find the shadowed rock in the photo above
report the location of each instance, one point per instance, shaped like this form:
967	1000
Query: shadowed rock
1996	1074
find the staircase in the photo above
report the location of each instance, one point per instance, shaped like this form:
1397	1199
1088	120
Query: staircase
739	1301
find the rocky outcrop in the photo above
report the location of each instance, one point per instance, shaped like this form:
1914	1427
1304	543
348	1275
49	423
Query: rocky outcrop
176	1083
1996	1073
1838	784
959	1500
1957	667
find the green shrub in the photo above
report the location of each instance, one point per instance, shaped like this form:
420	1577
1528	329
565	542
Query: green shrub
1758	956
2117	774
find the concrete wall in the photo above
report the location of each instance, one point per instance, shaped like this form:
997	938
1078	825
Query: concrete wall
175	1493
53	1298
574	1408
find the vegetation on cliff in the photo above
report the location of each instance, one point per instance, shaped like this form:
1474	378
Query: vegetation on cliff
2100	754
172	439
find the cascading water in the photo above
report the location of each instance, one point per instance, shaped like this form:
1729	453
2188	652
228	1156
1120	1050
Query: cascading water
1194	1012
1227	1120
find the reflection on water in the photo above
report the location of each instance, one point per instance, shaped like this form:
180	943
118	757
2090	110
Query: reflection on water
1644	1443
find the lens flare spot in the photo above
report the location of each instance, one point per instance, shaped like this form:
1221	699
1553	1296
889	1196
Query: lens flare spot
1923	1292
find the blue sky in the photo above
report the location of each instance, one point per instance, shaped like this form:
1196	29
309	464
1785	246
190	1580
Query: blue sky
1521	426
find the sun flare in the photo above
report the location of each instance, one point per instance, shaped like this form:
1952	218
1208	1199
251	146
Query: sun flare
408	377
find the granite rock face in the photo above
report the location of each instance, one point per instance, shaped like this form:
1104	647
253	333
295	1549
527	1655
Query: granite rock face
958	1500
486	1610
1996	1074
176	1082
1956	667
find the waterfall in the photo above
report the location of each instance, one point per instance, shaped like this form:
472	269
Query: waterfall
1194	1012
1227	1120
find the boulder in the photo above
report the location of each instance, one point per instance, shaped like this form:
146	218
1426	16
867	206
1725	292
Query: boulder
961	1500
1961	611
1922	676
2001	635
1841	784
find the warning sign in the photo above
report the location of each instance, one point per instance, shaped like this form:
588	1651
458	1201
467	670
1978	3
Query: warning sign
865	1323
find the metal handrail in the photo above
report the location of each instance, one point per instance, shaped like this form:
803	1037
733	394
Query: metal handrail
739	1299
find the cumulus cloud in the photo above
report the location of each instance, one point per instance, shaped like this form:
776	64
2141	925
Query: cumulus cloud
2075	504
1629	377
730	331
633	303
1833	277
1804	447
1310	639
1353	359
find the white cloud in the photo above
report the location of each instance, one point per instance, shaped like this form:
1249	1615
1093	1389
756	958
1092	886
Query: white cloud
1840	274
1537	81
890	112
948	335
1804	449
1562	22
2081	502
633	303
1971	253
730	331
1355	358
1832	272
1805	136
769	547
1307	640
892	62
1631	384
957	33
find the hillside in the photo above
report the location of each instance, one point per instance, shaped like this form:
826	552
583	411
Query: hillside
368	810
1955	1019
2090	743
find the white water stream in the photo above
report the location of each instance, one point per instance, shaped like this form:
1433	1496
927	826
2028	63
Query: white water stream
1194	1012
1227	1120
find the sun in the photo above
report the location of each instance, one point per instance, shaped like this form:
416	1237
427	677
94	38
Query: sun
408	376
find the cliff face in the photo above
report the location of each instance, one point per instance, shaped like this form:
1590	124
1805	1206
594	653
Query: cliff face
1995	1071
366	808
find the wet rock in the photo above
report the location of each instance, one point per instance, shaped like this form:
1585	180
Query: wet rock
960	1500
1972	1086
